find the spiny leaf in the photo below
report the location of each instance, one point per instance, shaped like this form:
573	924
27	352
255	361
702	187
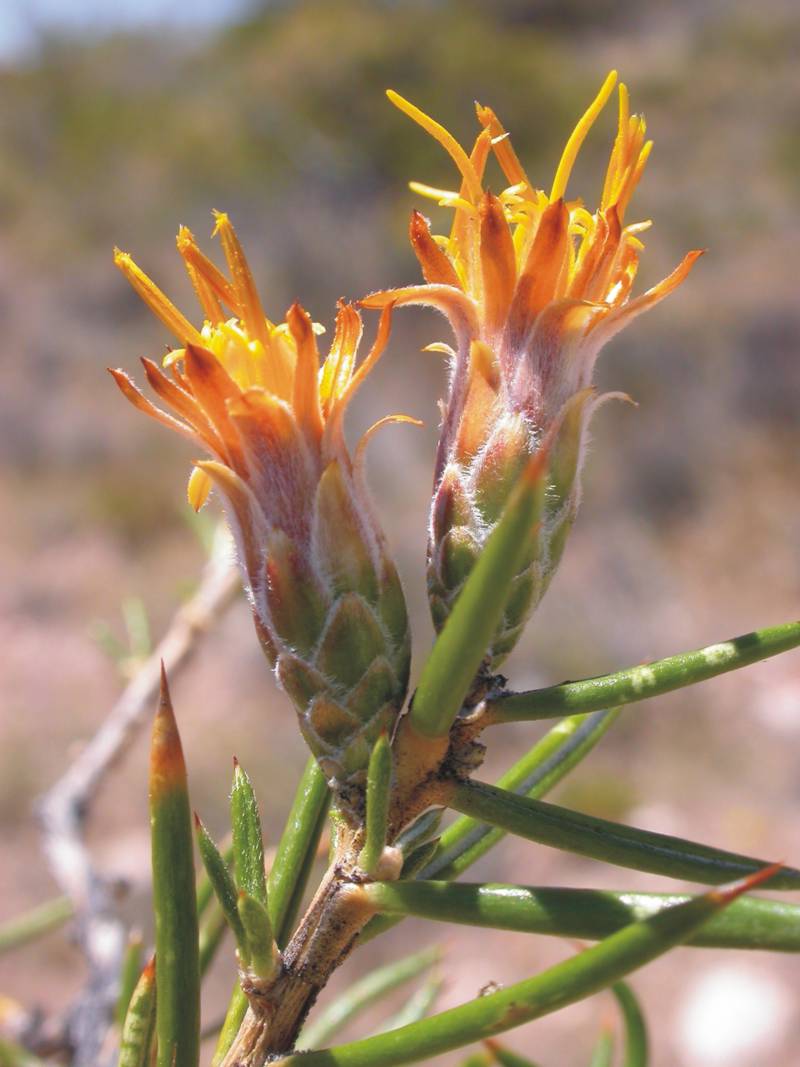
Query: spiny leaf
248	844
749	923
548	824
237	1009
361	994
506	1057
129	974
539	770
174	895
549	761
35	923
636	1043
296	850
379	784
138	1029
222	884
262	952
646	680
459	651
567	982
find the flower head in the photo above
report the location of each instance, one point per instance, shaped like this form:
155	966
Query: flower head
326	596
533	285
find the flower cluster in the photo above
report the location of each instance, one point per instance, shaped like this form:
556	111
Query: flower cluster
533	286
326	596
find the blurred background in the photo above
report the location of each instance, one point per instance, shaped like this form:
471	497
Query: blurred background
117	123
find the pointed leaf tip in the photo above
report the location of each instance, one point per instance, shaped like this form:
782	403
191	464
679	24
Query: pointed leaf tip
167	766
726	894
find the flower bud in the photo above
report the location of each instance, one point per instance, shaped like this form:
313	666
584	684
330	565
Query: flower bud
326	597
533	286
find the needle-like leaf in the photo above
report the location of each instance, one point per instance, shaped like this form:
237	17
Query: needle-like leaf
213	927
637	1053
262	952
548	824
506	1057
361	994
540	770
35	923
222	884
174	895
647	680
572	980
129	974
418	1004
603	1053
591	914
379	784
138	1029
237	1009
296	850
248	843
456	657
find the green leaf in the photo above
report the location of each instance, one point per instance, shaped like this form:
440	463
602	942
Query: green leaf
174	895
237	1009
505	1056
458	653
421	832
592	914
212	932
548	824
379	784
138	1029
603	1054
205	891
636	1044
647	680
417	1006
222	883
567	982
129	974
540	770
248	843
361	994
35	923
262	952
296	850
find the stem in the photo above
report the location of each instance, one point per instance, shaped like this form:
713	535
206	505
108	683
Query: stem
278	1006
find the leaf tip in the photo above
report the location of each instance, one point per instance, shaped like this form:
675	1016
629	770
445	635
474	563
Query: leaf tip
726	894
167	767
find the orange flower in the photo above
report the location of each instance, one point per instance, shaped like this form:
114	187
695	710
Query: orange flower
533	285
326	596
